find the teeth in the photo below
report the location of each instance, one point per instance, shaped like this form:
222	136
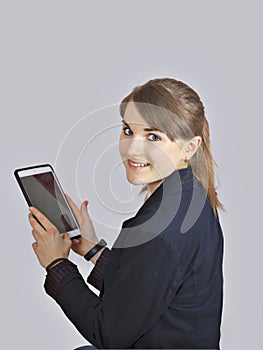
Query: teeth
139	165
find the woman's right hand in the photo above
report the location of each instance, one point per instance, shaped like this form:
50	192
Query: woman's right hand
88	236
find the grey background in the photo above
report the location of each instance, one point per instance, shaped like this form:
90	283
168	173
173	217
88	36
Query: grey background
60	61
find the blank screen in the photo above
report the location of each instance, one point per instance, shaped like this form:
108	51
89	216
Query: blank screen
44	194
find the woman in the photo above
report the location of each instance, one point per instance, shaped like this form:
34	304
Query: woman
161	283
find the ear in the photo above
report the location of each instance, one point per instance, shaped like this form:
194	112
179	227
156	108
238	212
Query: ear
192	146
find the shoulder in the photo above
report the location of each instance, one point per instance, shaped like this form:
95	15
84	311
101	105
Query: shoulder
167	218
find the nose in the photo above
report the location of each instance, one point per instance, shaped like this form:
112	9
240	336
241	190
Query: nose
135	147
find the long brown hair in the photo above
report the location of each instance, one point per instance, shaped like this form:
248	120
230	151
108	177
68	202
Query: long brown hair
176	109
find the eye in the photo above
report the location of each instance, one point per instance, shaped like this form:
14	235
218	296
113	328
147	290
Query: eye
127	131
154	137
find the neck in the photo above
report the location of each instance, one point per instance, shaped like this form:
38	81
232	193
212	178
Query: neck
152	187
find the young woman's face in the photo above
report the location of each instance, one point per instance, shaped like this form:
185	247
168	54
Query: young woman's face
148	155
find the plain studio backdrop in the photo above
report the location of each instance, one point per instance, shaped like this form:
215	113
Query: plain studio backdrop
65	66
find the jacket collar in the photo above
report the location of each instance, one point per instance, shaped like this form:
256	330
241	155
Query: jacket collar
177	181
158	211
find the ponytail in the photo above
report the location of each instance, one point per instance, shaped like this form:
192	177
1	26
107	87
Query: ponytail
202	164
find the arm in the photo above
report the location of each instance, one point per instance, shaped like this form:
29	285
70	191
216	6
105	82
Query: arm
83	245
141	284
95	278
140	292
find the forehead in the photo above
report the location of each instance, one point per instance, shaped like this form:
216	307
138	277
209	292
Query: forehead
132	115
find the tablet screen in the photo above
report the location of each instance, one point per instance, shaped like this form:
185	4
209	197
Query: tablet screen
44	192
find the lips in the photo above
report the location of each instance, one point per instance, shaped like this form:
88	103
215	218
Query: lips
137	165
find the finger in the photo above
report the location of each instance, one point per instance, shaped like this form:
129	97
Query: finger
36	235
34	246
35	224
74	208
67	239
43	220
84	209
75	241
66	236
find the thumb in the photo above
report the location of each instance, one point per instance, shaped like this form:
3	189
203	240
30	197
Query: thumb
75	242
67	238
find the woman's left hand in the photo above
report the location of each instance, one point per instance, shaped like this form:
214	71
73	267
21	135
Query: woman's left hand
50	244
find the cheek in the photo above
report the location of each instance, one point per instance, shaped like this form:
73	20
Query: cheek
122	146
166	159
157	154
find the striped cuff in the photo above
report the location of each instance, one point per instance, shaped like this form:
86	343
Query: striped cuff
56	274
96	276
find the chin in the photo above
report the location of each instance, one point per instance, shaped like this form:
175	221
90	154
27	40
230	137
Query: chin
134	181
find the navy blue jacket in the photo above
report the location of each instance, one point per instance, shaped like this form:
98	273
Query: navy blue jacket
162	285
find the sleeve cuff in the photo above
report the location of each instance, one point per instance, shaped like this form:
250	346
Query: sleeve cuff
96	276
56	274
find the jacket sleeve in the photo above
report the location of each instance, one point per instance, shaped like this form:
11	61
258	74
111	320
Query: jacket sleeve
95	278
139	293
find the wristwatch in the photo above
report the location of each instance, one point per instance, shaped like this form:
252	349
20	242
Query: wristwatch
95	249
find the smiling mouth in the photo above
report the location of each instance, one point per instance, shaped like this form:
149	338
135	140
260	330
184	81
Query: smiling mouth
136	165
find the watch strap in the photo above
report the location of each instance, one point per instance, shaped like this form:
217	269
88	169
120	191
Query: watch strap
95	249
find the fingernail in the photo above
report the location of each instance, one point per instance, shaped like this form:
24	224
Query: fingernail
31	209
86	203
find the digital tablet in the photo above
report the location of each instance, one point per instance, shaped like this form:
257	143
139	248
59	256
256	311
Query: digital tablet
41	189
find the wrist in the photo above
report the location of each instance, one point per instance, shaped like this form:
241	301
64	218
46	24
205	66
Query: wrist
88	246
96	250
54	263
97	255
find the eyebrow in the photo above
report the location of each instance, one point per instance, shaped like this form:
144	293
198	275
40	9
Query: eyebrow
146	129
